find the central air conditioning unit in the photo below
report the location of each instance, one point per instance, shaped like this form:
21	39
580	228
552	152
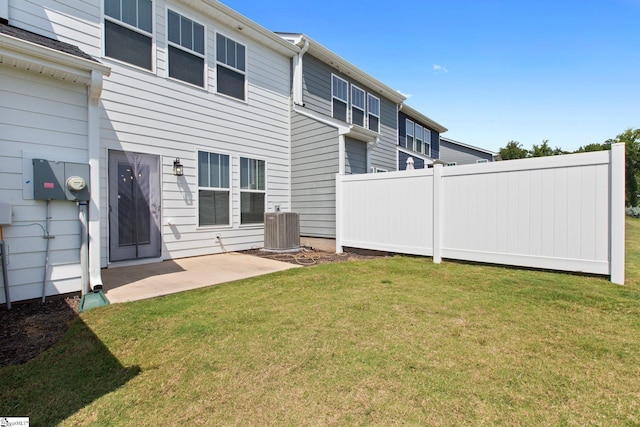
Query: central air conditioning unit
281	231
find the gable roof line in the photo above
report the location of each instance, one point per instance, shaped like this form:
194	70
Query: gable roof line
342	65
227	16
410	111
452	141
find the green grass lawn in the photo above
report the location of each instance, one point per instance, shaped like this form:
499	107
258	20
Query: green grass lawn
394	341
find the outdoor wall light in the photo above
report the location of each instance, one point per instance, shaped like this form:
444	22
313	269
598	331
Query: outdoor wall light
178	170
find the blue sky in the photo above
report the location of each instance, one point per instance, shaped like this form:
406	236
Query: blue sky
490	71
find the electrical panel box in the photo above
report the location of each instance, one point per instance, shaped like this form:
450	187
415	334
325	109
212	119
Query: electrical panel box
5	213
60	180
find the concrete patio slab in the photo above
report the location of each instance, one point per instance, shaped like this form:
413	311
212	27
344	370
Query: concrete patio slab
144	281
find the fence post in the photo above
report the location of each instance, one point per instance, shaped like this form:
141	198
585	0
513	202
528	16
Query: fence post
339	214
437	213
617	213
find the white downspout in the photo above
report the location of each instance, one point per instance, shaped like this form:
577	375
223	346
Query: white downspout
370	147
84	247
297	74
342	154
93	120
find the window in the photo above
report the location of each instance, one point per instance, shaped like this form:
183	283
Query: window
186	49
373	117
427	142
339	95
419	138
410	133
213	189
231	67
252	191
357	106
128	31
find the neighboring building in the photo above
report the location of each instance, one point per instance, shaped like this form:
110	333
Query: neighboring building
418	138
342	121
187	122
456	153
186	82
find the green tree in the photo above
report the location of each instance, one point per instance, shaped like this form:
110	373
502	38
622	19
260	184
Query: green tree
631	139
542	150
513	150
594	147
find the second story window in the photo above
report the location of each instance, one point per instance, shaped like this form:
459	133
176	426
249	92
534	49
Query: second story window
339	97
410	133
186	49
419	138
427	142
231	67
128	31
357	106
373	117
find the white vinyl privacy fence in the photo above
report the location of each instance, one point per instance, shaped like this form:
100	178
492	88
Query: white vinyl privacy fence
561	212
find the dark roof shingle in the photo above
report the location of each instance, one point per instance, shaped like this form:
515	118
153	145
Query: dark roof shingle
29	36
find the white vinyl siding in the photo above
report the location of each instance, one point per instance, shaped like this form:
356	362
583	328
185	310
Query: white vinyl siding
40	118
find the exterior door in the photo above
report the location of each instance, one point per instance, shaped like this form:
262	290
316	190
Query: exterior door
134	206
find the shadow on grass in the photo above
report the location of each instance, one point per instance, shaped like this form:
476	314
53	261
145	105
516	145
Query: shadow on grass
73	373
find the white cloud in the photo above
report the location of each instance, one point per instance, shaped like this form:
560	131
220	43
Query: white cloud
406	95
437	68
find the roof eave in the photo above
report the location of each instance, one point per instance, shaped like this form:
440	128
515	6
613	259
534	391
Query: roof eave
244	25
410	111
342	65
28	56
473	147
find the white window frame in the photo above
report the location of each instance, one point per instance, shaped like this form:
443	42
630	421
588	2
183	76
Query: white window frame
250	190
362	108
410	124
426	141
190	51
369	113
335	77
220	189
123	24
419	141
229	67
